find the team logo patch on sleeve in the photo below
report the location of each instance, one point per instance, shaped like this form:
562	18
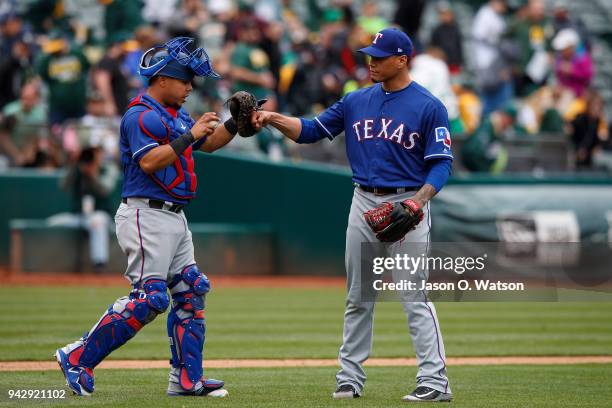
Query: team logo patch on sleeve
443	135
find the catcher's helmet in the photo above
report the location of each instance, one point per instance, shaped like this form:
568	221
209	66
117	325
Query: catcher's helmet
174	59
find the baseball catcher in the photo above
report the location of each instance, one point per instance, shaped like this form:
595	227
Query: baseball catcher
157	141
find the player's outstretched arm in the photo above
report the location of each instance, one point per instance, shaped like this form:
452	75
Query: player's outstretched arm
288	125
222	136
219	138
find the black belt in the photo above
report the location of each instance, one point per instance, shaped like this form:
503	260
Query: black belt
160	205
386	190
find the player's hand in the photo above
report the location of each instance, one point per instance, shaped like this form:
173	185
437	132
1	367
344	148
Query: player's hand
205	126
261	119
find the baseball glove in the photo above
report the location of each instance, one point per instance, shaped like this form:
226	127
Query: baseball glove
241	106
391	221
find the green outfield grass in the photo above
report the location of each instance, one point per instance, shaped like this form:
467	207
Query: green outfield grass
492	386
302	323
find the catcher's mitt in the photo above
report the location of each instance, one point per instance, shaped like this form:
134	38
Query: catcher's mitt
391	221
241	106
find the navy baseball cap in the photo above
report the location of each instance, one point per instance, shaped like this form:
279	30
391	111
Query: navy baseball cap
390	41
175	70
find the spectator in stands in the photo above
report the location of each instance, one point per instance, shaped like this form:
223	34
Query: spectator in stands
90	185
23	123
532	31
145	37
370	19
573	70
493	73
340	36
121	16
546	110
213	33
46	15
483	150
245	14
64	70
306	87
110	78
270	44
98	129
589	130
470	106
156	12
430	70
187	20
408	16
447	36
562	20
15	56
250	64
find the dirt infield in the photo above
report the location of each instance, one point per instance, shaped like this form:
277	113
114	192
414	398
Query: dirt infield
234	281
265	363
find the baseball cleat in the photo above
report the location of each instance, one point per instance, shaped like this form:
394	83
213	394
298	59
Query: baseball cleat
345	391
426	394
79	379
210	388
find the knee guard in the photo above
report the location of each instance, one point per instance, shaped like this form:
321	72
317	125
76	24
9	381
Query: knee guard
192	276
186	327
121	322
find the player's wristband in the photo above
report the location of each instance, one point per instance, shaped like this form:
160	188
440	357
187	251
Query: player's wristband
231	126
181	143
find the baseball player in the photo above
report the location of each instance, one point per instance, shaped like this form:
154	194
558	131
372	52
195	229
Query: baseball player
157	141
398	145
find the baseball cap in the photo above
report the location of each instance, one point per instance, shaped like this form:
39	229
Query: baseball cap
390	41
566	38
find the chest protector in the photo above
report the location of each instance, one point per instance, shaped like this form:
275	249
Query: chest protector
179	179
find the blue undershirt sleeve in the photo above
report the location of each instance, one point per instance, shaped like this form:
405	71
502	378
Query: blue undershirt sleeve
438	171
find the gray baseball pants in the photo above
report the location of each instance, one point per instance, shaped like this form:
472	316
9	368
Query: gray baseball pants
359	315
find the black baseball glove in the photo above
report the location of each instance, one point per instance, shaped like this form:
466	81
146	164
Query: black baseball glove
392	221
241	105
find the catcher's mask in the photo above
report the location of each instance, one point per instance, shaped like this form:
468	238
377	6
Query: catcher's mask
174	59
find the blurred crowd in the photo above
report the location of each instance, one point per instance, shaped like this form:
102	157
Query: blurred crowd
68	69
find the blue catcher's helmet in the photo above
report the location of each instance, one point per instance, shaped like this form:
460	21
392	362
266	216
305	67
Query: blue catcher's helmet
175	60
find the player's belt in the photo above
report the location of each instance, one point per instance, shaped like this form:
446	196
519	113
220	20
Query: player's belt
158	204
386	190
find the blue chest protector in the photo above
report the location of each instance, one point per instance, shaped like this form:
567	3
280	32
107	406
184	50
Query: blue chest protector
179	179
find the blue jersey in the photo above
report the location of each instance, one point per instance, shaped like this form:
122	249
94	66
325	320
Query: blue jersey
389	135
146	125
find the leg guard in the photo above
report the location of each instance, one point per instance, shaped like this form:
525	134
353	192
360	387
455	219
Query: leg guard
186	329
119	324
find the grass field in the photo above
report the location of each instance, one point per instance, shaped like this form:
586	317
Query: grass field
303	323
475	387
306	323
